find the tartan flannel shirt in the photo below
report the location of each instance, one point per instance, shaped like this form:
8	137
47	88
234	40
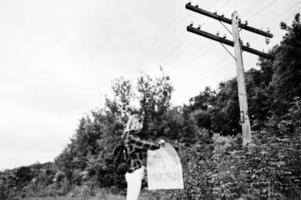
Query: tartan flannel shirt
137	149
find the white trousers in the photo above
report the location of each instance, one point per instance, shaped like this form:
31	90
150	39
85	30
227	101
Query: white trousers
134	181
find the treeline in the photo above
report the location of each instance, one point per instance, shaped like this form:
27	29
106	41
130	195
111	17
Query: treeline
206	133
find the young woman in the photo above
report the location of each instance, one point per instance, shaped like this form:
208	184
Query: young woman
137	149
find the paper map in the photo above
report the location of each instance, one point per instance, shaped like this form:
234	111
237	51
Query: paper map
164	169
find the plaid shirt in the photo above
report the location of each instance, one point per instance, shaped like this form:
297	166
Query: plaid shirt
137	149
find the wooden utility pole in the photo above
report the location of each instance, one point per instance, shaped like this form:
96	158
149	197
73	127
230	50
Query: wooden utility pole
242	93
238	47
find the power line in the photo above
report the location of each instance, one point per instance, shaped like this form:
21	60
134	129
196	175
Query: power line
208	51
224	59
247	6
273	22
179	46
177	42
214	3
200	54
252	4
158	46
228	1
159	36
251	38
162	49
262	9
286	14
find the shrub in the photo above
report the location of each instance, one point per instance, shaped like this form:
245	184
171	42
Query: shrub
267	169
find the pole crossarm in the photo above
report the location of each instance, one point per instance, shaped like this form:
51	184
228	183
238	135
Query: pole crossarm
226	20
227	42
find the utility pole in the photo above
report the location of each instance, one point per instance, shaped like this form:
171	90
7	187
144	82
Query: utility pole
238	47
242	92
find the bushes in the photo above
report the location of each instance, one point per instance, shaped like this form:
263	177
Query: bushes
265	170
215	167
196	170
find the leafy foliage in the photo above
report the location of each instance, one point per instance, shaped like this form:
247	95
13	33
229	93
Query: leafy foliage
263	171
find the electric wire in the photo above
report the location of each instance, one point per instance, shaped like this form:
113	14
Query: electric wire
291	15
228	1
258	12
228	31
158	38
162	50
274	21
181	43
252	37
231	33
262	9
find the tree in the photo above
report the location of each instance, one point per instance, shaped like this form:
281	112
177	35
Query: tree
286	81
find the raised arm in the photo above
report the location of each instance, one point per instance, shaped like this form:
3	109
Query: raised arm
142	144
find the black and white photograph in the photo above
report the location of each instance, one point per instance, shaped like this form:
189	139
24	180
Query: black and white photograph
150	100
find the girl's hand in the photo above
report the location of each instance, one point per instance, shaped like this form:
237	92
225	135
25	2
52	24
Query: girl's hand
162	142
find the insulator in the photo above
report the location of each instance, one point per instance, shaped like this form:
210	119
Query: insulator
248	44
267	40
246	22
199	27
217	33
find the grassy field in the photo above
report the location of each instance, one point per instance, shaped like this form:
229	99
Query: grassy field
102	195
99	196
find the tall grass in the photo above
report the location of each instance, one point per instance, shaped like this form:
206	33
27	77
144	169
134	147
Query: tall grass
104	195
99	196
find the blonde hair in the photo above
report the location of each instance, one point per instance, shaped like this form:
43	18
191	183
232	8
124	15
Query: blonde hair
134	123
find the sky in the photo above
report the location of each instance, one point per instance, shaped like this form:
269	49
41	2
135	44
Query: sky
58	60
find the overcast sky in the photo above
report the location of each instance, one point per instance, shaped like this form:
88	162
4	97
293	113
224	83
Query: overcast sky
58	59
